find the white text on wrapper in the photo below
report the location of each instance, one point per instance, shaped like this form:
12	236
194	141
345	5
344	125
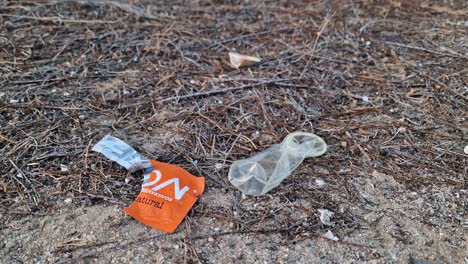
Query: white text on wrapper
179	193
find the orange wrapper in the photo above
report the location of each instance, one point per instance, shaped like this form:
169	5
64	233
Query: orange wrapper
166	197
168	191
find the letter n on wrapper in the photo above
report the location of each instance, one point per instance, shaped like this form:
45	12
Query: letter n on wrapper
166	197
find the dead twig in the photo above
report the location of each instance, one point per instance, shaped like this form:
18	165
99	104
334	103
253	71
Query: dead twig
61	20
8	140
450	54
319	34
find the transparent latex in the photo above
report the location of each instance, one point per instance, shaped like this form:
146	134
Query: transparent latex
264	171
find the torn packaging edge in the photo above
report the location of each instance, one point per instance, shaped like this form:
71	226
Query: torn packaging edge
122	153
150	207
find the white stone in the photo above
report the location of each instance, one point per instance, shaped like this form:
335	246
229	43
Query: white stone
63	167
320	182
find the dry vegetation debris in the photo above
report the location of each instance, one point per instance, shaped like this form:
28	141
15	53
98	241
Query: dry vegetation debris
383	82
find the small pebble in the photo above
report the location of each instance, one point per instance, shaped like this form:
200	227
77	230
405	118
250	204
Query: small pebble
343	144
63	167
10	245
127	180
320	182
93	167
14	101
68	201
66	94
218	166
466	150
255	134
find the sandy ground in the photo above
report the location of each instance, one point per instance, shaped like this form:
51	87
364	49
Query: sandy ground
393	227
383	82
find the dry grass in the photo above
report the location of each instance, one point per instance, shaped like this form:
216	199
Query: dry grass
383	82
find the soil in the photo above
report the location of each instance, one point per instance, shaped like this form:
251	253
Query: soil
383	82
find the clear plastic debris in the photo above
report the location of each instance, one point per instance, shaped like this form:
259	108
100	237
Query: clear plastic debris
120	152
264	171
325	217
329	235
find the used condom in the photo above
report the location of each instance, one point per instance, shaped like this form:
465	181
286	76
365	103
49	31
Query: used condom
264	171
